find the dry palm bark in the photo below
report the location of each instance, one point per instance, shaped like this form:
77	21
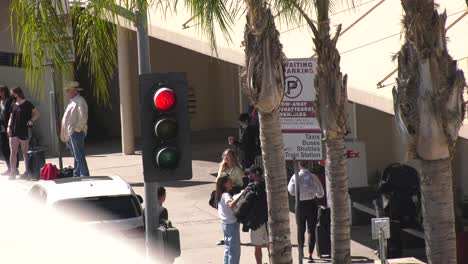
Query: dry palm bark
429	110
263	82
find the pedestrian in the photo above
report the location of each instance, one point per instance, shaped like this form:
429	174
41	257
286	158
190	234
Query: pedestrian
228	219
230	165
259	236
75	127
310	188
23	115
249	142
163	215
253	112
6	104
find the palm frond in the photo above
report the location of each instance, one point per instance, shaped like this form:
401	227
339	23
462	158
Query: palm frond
42	38
208	14
97	43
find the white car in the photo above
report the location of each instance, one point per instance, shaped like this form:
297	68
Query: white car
106	202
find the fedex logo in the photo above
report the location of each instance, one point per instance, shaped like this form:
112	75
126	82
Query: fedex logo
350	154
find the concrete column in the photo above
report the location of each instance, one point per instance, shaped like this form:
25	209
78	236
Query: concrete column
125	87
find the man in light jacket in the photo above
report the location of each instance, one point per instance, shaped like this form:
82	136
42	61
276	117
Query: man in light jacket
310	188
74	127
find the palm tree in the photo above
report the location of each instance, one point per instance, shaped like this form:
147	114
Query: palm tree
263	82
429	110
332	98
44	37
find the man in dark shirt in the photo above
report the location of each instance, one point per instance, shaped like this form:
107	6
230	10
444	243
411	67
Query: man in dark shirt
163	215
249	142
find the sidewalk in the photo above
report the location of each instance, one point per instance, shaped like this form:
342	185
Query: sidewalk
187	202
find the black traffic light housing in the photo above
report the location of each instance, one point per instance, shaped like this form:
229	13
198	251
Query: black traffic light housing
165	127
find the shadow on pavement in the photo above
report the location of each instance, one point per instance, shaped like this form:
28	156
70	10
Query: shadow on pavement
208	145
174	184
412	246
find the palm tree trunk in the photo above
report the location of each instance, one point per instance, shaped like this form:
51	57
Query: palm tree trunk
271	140
438	213
337	189
429	110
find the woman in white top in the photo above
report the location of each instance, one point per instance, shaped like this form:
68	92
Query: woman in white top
228	219
230	165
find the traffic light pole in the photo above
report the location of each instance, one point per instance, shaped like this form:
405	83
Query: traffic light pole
151	188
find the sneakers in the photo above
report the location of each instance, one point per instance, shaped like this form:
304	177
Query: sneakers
25	176
220	243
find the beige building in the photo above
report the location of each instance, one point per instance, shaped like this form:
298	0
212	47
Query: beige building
366	48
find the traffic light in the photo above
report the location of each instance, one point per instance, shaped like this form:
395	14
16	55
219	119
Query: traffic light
165	127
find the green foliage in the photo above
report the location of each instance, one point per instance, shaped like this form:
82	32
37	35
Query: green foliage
42	38
96	43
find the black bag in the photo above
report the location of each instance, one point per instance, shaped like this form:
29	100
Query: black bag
65	172
322	232
251	208
36	160
171	239
212	202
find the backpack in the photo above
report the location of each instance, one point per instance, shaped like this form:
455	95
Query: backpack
212	202
49	172
252	210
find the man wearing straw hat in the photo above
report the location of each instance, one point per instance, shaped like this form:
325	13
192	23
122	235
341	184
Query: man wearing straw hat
74	127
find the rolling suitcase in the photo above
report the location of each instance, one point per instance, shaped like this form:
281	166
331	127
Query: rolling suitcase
171	241
36	160
322	232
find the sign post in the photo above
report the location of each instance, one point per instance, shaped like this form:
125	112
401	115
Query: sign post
301	131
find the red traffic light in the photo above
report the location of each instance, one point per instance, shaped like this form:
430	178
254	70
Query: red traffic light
164	99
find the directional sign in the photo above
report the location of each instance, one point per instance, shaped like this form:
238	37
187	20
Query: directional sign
301	131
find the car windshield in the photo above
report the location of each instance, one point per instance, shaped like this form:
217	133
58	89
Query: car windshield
101	208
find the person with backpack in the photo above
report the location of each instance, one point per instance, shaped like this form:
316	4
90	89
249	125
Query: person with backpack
228	219
310	188
23	116
259	236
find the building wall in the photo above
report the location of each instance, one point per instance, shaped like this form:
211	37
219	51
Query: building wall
214	83
383	144
6	43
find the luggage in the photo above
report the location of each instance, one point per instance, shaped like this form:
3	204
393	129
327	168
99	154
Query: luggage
322	232
36	160
65	172
49	172
171	241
